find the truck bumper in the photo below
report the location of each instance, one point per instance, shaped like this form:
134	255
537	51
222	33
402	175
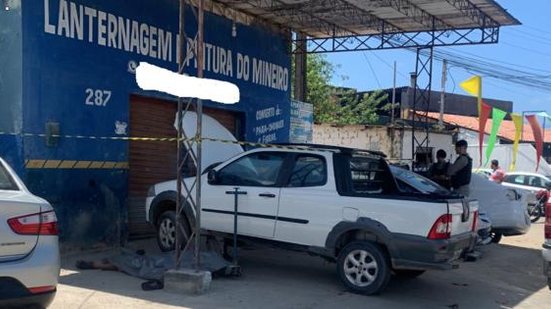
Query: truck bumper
546	254
414	252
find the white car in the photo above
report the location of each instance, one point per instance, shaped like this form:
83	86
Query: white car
530	183
29	250
338	203
506	208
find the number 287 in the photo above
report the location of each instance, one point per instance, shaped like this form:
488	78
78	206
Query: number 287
97	97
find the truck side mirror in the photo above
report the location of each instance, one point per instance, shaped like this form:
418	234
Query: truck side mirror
212	177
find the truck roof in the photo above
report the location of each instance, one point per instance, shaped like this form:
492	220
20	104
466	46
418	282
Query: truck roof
334	148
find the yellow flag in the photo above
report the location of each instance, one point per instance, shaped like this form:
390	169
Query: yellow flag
518	121
473	86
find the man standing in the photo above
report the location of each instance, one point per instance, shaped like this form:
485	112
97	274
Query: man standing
438	172
460	171
497	173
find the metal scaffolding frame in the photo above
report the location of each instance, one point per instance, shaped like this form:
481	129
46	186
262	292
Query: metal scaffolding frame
190	196
380	41
421	102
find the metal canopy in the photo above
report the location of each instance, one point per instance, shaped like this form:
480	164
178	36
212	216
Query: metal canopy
346	25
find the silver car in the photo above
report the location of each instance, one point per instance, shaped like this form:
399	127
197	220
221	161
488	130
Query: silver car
29	249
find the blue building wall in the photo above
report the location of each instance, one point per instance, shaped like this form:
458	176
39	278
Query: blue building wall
11	86
77	75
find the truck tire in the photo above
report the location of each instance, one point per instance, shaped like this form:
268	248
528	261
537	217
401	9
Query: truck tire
496	237
363	267
166	231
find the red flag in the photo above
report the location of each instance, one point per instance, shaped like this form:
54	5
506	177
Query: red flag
538	137
485	111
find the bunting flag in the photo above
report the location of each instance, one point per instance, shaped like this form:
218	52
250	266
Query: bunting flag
473	86
484	114
538	138
497	117
517	120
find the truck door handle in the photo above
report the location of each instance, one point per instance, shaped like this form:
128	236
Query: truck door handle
271	195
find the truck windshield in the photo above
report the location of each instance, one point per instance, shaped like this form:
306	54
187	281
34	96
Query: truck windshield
6	181
418	182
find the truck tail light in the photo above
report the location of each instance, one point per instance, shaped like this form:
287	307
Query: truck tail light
43	223
547	227
475	221
42	289
442	228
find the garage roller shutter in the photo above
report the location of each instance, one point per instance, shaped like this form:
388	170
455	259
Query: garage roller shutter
154	162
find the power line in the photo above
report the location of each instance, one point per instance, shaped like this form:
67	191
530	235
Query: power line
389	65
528	49
372	71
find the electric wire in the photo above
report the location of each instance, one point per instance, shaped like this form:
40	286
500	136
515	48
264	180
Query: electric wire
372	70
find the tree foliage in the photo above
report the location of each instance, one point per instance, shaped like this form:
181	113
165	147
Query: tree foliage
335	105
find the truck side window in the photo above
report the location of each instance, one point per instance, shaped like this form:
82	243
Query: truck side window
309	171
369	176
259	169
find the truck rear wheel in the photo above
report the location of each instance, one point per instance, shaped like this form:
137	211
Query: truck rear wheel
363	267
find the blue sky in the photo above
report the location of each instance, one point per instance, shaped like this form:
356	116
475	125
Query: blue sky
527	46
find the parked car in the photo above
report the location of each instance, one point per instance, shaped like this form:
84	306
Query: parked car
338	203
483	171
530	183
505	206
546	251
29	251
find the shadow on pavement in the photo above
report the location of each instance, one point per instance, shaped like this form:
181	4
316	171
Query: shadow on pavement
506	276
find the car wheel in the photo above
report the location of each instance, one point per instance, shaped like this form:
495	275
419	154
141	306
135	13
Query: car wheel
535	212
363	267
166	231
496	237
408	273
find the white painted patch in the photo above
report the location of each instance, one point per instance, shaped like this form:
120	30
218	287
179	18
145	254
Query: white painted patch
120	127
150	77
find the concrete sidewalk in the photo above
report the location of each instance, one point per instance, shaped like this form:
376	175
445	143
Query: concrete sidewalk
509	275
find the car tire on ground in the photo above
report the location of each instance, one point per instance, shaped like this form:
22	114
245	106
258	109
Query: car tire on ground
408	273
496	237
363	267
166	231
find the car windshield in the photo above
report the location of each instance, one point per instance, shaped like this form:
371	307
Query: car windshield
420	183
6	181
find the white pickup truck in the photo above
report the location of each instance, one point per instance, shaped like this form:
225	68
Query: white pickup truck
339	203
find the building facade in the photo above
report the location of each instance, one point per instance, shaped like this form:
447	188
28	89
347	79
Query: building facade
68	95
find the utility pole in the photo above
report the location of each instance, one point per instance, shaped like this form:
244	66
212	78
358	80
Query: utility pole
443	93
393	96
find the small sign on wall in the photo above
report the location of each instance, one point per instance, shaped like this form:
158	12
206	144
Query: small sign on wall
302	120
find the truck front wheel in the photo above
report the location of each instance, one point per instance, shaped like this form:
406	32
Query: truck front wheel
166	231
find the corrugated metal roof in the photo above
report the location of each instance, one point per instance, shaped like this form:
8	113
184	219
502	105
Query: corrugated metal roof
326	18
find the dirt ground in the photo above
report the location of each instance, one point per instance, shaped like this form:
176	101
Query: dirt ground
508	276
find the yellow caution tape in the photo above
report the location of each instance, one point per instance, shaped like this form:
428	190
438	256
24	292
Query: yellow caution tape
72	164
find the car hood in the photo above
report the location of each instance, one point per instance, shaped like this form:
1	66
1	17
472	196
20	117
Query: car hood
218	144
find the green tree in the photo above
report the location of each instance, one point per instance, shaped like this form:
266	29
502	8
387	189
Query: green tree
337	105
360	108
